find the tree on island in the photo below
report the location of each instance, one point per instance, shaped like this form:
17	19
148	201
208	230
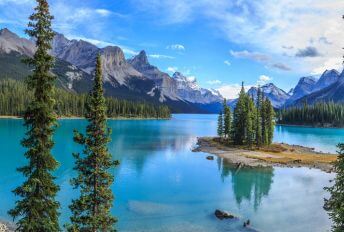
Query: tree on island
37	209
252	124
220	129
227	120
91	211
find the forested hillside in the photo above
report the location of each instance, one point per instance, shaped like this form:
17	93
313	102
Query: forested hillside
14	97
326	114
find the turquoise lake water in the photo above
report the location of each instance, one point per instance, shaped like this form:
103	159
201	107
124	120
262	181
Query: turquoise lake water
162	186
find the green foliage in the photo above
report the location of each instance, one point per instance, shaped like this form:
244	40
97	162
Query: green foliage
335	204
227	119
252	124
91	211
319	114
15	96
239	118
37	209
220	130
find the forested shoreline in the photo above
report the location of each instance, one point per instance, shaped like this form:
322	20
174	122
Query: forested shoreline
15	96
324	114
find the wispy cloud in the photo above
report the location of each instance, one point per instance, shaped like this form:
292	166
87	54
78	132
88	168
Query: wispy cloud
158	56
308	52
263	79
172	69
256	56
231	91
214	82
176	47
226	62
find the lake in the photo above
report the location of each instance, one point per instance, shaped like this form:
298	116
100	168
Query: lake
162	186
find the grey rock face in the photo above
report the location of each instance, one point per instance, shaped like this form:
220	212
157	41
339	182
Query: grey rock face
327	78
10	42
304	87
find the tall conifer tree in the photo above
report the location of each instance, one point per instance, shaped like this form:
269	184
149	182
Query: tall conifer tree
91	211
37	209
239	118
220	125
258	118
227	120
335	204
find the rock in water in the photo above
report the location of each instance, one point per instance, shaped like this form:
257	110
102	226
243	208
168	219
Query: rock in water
210	157
223	215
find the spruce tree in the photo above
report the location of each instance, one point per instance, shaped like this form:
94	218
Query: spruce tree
335	204
258	118
250	121
37	209
220	125
91	211
239	118
227	121
270	123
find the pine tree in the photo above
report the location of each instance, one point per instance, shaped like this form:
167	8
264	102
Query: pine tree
335	204
91	211
258	121
227	121
250	120
239	118
220	130
270	124
37	209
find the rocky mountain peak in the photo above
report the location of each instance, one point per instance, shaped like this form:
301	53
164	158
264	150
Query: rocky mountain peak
140	61
7	33
327	78
114	55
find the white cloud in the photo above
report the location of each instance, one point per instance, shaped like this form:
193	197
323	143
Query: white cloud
256	56
103	12
172	69
191	78
264	78
176	47
158	56
231	91
214	82
226	62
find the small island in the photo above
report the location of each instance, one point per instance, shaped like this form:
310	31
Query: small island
245	138
276	154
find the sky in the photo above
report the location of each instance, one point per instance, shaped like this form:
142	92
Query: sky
219	42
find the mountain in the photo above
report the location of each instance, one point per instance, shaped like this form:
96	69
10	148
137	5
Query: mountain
188	89
277	96
334	92
304	87
133	79
327	78
163	82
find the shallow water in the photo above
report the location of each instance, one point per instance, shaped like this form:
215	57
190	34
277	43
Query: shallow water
162	186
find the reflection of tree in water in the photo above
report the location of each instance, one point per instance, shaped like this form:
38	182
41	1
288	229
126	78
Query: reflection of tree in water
247	181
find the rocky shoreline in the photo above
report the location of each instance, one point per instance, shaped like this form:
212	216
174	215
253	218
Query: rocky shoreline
281	155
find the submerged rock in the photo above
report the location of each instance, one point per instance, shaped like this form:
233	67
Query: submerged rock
224	215
210	157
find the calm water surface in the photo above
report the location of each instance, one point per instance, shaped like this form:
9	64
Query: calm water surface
162	186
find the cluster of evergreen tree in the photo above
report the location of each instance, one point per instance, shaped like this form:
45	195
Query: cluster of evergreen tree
319	114
15	96
252	123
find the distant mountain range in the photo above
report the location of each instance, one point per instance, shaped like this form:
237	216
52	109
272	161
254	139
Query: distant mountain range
136	79
133	79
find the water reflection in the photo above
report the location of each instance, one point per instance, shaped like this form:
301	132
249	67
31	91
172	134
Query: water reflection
247	183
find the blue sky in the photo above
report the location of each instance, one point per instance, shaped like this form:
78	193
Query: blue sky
219	42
